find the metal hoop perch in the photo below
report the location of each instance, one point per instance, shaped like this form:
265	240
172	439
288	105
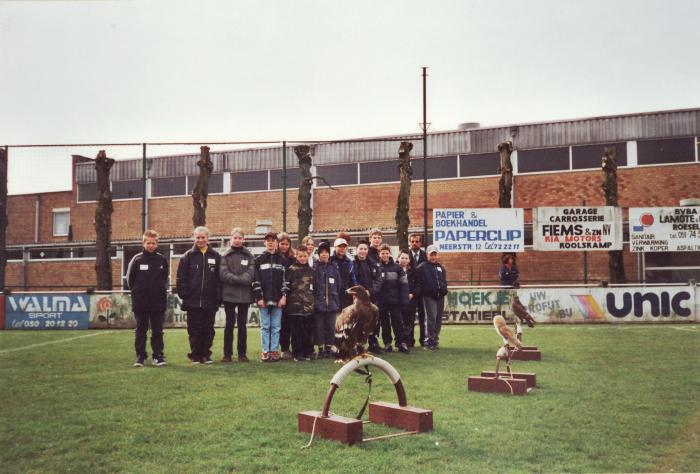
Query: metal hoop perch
356	363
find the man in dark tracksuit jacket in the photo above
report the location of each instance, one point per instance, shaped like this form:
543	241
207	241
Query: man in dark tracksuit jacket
199	287
369	275
431	285
394	294
147	277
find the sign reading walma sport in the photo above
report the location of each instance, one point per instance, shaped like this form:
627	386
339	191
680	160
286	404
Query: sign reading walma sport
577	228
664	229
479	230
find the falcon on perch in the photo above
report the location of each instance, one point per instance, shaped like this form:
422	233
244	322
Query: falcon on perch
522	316
355	324
509	340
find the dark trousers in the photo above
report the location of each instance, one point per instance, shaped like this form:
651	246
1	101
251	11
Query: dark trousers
416	305
236	313
325	327
434	308
301	327
390	316
200	328
154	320
408	321
285	332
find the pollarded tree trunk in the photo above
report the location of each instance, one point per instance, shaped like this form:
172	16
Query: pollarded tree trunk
304	212
103	222
616	267
505	168
201	189
404	200
3	216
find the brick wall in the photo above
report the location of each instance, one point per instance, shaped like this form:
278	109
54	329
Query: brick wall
358	207
22	216
69	275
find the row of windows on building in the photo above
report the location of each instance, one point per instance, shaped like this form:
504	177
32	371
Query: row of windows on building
649	152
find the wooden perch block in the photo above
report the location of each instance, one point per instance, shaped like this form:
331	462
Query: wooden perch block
338	428
529	377
529	353
477	383
408	418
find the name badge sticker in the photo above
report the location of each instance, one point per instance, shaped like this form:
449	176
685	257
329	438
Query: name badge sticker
264	266
331	280
211	261
244	262
143	267
439	269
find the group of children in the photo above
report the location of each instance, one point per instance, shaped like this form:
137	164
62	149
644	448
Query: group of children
299	293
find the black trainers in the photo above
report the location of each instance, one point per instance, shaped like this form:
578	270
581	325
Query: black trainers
388	348
159	361
140	360
403	348
206	360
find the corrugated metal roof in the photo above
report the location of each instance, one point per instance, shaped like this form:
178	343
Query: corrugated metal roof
663	124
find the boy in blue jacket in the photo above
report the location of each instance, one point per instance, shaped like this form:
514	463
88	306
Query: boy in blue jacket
431	285
327	288
393	295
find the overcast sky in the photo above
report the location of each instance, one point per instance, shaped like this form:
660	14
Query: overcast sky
134	71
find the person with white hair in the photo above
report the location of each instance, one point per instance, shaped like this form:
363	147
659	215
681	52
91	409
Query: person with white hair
199	288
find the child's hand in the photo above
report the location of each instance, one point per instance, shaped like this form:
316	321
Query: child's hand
283	301
260	303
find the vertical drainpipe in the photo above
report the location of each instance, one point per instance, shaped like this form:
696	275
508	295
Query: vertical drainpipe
37	209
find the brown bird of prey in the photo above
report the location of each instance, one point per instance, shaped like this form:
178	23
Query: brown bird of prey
509	340
522	317
355	324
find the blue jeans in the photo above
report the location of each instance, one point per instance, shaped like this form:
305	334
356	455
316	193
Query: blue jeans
270	324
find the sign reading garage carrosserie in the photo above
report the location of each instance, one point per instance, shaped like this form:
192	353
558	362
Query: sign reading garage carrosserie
577	228
664	229
479	230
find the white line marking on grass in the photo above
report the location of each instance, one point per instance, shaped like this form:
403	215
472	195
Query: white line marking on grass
31	346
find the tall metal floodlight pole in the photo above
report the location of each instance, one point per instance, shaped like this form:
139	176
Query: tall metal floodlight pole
425	160
144	199
284	187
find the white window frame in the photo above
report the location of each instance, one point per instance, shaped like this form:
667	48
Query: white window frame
60	210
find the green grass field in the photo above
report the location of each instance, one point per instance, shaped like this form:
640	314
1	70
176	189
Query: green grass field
610	398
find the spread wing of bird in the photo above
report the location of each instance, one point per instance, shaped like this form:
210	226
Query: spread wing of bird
499	323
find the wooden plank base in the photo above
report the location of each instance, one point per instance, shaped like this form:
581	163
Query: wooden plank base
526	354
529	377
338	428
477	383
408	418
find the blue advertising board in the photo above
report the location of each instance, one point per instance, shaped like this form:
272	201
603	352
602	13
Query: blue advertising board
47	311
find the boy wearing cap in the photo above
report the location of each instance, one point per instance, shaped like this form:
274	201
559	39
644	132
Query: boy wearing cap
270	293
344	265
431	286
